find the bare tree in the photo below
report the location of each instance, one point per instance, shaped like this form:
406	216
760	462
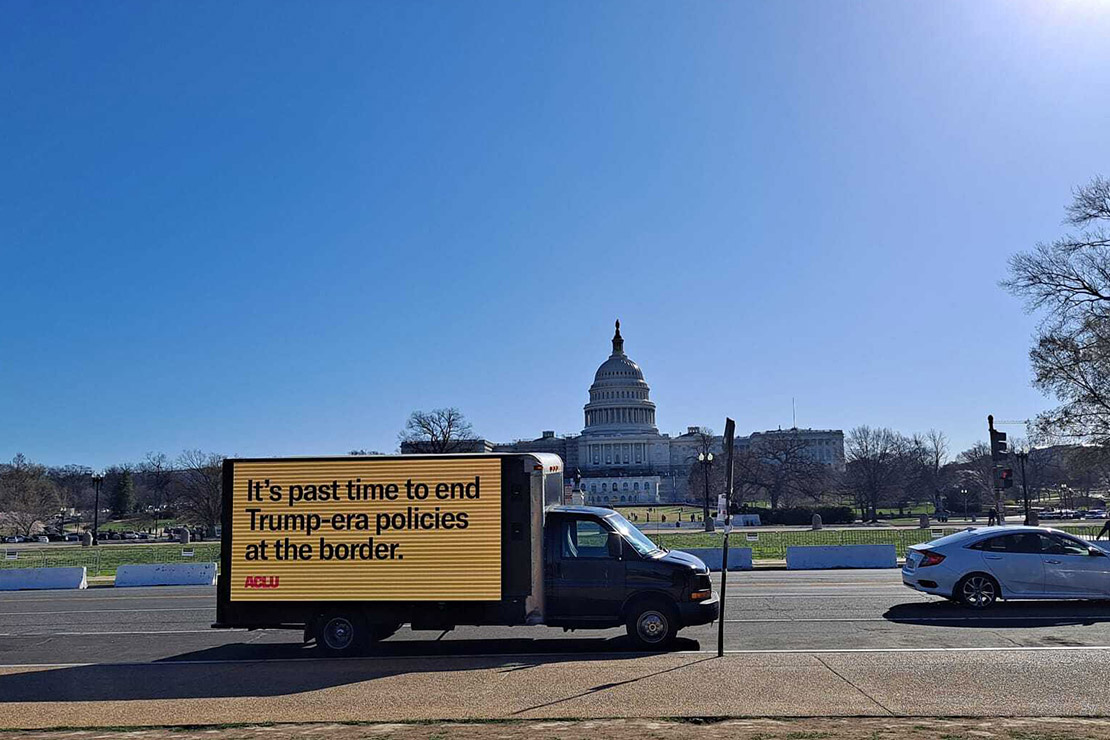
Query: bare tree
157	483
979	472
1088	469
200	487
935	472
28	498
876	467
437	431
74	483
782	468
704	474
1043	467
1069	280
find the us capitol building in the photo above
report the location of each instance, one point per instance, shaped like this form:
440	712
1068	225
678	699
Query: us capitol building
620	456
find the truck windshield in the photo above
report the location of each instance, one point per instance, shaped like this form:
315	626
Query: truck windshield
638	539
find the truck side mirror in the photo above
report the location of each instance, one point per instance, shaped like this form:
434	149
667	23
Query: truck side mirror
615	545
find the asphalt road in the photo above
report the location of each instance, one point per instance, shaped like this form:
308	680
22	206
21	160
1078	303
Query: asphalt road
764	610
808	643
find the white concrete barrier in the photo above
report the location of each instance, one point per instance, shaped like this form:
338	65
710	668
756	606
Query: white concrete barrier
41	579
815	557
167	574
739	558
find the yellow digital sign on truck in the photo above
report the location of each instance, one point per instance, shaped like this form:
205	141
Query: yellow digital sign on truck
365	529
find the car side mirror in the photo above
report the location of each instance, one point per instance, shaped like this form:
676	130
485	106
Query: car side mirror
615	545
1096	552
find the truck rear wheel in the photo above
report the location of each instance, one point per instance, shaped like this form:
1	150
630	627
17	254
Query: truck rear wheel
652	624
340	634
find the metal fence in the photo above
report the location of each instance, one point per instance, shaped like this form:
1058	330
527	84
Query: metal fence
765	544
103	560
772	544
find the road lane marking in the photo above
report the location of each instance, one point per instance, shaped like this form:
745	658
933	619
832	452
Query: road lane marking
113	611
824	651
853	595
7	599
169	663
911	620
130	632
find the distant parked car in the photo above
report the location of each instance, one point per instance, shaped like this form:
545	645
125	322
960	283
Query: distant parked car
73	537
130	535
1096	514
14	539
43	539
977	567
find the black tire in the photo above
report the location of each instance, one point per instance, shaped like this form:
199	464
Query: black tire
652	624
341	634
977	591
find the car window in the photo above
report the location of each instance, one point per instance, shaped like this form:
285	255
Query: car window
584	538
1020	543
1056	544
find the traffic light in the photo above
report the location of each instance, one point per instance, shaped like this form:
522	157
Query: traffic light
1003	478
999	452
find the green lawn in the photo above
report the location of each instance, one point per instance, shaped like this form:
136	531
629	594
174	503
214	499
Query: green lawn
135	524
104	559
641	514
772	544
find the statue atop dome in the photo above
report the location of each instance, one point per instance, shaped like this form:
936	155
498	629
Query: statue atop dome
618	340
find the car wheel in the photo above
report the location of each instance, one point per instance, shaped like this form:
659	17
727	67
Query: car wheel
977	591
340	634
652	624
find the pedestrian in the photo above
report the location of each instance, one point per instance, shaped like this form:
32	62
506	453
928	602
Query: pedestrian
1105	530
992	517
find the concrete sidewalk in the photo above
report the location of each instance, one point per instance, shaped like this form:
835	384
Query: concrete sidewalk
1051	682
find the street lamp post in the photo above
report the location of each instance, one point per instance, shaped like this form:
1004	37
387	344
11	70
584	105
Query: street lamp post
1021	457
98	478
706	459
963	493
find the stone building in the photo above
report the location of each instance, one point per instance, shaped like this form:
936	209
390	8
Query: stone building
620	456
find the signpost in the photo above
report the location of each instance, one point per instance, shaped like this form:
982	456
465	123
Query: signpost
730	431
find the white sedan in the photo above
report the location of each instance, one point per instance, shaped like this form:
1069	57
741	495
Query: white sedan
976	567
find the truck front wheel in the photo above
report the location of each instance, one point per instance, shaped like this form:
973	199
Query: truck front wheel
652	624
340	634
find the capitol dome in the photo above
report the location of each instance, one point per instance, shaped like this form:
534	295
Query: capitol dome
619	396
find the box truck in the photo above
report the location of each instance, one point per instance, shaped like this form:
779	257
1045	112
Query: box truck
349	549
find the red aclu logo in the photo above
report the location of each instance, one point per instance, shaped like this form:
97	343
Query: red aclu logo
261	582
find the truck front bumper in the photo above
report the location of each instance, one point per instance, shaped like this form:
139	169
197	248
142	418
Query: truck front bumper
699	612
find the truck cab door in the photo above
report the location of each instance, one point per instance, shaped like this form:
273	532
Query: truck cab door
585	572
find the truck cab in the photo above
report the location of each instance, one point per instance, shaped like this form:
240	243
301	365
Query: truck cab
601	571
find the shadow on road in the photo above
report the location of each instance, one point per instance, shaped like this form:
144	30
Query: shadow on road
245	670
1002	615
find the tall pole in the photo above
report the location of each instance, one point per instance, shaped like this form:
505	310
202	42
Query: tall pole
730	428
1024	485
705	477
706	459
96	510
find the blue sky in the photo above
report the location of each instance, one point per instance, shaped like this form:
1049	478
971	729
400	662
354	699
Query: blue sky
278	228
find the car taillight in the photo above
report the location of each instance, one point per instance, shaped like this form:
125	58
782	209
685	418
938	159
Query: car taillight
928	557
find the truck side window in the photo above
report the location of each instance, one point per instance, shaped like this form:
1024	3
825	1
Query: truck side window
584	538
